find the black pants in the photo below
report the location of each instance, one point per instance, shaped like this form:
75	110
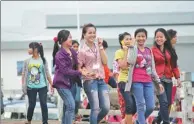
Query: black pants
165	103
130	104
112	82
32	93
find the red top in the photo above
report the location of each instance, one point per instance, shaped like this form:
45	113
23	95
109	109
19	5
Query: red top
107	73
161	67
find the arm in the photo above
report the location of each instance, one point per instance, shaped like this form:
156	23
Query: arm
48	74
176	74
103	56
102	52
156	77
154	73
175	71
121	59
65	68
81	61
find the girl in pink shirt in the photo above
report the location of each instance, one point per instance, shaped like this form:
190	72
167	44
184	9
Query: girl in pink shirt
92	57
144	70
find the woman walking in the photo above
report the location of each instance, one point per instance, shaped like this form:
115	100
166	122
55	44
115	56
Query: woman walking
91	58
35	78
166	67
143	72
64	59
121	55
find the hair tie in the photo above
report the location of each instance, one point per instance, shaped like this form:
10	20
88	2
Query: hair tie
55	39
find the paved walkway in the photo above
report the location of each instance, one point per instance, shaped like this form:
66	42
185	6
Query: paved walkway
22	122
37	122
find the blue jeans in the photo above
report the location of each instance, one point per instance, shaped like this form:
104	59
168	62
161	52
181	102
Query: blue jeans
165	102
75	89
97	93
144	97
68	106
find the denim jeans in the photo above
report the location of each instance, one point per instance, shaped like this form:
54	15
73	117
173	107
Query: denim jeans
68	106
144	97
75	89
97	93
165	102
32	93
130	106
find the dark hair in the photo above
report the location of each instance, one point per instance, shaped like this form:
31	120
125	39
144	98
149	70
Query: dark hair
84	29
39	47
105	44
171	33
122	36
167	46
75	42
141	30
61	37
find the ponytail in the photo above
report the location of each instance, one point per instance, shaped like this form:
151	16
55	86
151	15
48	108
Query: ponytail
42	54
61	37
55	49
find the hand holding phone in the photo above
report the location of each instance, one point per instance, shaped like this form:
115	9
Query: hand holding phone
100	40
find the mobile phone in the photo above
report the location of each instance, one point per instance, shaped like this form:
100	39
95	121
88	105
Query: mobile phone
122	43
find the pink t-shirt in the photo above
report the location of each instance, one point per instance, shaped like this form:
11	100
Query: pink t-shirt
143	60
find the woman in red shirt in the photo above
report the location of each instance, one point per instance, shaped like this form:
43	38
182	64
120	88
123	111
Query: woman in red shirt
166	67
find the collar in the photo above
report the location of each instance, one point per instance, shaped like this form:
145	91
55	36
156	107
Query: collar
86	47
156	49
65	52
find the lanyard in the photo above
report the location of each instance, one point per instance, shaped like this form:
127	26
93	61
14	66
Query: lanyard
94	51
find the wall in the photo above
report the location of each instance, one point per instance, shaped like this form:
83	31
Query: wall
12	81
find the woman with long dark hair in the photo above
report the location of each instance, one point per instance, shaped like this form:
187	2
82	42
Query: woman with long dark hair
166	67
35	78
64	60
92	57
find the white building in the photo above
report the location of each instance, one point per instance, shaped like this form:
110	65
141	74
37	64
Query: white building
24	22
